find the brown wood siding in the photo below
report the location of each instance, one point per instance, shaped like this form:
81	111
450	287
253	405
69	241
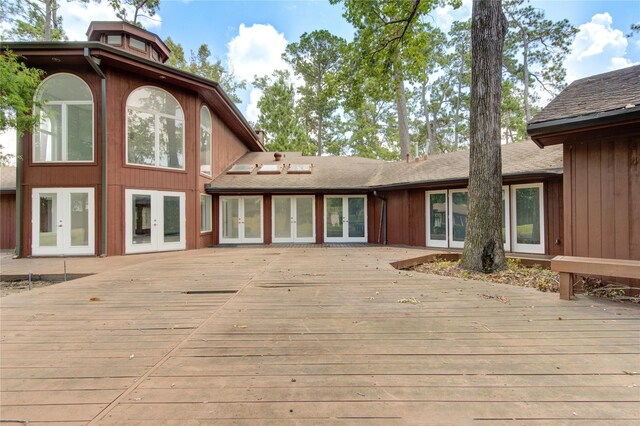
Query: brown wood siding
602	196
553	213
319	218
7	221
266	223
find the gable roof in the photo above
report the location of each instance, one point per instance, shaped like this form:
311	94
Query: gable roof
601	99
356	173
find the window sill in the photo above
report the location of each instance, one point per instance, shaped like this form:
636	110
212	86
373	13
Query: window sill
154	168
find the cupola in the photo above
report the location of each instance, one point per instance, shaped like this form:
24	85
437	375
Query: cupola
130	38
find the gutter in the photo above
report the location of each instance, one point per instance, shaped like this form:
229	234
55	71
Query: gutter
19	160
617	116
103	140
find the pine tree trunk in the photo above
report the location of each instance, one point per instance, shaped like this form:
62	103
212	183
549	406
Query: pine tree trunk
483	249
401	106
425	109
525	59
48	11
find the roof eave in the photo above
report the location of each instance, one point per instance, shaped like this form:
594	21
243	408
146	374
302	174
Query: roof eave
537	131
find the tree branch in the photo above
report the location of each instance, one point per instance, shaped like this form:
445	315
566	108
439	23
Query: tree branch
407	21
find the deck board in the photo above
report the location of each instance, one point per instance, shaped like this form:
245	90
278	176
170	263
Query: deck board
313	335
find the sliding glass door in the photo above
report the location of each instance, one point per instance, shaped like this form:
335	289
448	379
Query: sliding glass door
345	218
293	219
241	220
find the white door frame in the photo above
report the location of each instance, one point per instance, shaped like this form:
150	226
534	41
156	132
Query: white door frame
527	248
157	219
452	243
294	209
63	216
437	243
242	239
345	220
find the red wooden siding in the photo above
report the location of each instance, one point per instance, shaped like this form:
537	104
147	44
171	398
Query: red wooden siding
7	221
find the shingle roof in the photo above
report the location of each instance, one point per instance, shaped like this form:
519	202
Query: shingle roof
615	90
342	173
7	178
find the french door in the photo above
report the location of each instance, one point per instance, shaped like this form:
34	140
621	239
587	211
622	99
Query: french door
241	220
155	221
345	218
293	219
63	221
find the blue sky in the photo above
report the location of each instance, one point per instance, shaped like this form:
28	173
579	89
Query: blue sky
250	36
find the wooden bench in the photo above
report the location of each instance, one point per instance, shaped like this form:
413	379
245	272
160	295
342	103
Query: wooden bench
569	265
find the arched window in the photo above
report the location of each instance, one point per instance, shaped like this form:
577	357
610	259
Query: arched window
65	131
205	141
155	129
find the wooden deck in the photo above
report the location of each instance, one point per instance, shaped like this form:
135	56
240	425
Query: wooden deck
312	336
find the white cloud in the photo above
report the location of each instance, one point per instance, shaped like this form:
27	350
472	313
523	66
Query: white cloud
8	141
76	17
445	15
597	48
256	51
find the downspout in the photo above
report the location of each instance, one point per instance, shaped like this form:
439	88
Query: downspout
383	217
19	160
103	139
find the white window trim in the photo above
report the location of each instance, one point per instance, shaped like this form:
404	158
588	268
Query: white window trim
210	131
507	217
430	242
63	122
527	248
294	207
452	243
208	202
156	115
345	230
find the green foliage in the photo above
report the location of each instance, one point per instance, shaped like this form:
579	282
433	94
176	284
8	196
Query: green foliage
317	58
18	84
199	64
34	20
535	50
146	8
278	115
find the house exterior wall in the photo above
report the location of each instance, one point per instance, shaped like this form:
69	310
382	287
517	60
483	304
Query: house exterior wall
602	196
226	149
8	222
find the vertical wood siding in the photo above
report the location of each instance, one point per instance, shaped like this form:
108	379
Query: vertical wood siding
7	221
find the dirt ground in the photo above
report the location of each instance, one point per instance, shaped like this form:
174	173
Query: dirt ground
10	287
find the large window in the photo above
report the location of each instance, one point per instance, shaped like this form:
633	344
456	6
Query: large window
65	131
205	213
155	129
205	141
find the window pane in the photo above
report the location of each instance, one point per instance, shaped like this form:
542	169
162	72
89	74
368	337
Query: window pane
153	99
205	152
79	132
528	215
48	236
304	217
230	217
356	217
140	137
141	223
252	220
334	217
438	218
79	219
64	87
48	138
114	39
282	217
171	225
171	148
205	213
460	211
138	44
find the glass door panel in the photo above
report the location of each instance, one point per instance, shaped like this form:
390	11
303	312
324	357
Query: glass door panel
334	217
528	229
171	222
282	216
252	220
230	217
437	219
79	220
49	222
141	219
304	219
356	217
459	209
